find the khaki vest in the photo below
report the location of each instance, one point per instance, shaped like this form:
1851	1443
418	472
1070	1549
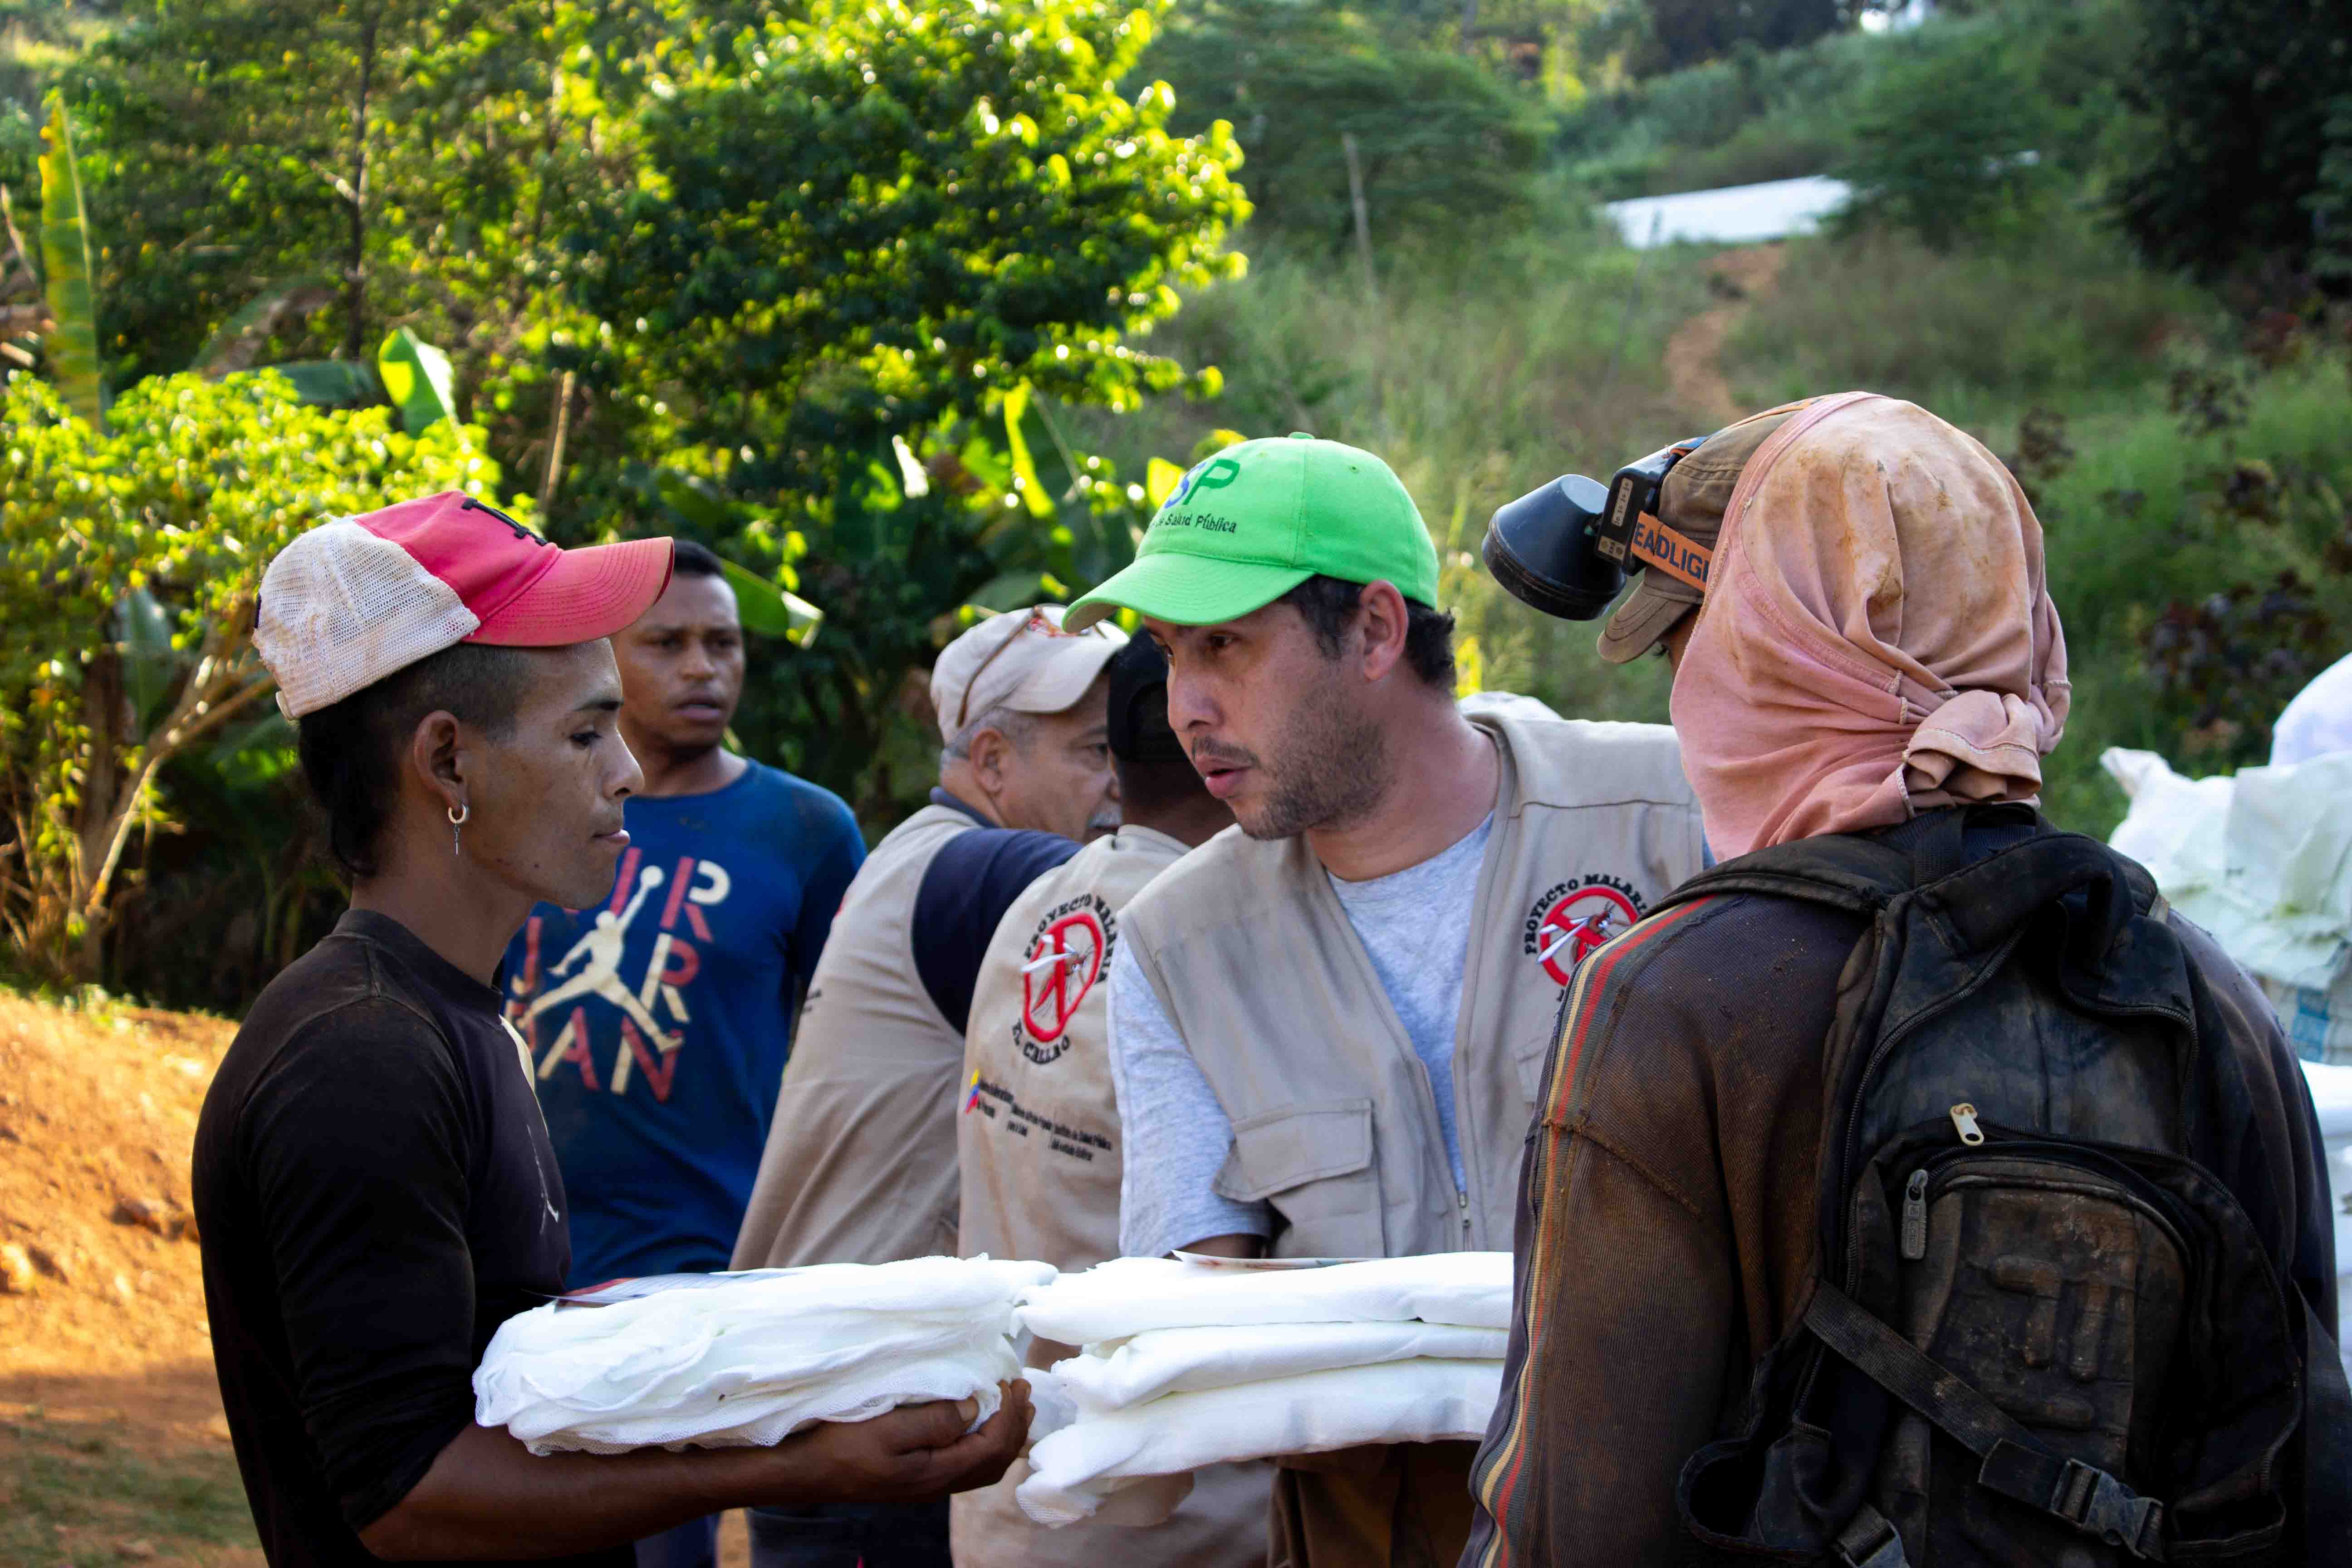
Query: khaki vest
860	1162
1334	1124
1037	1136
1037	1130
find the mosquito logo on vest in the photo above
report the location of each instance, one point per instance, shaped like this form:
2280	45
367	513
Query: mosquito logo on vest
1066	954
1574	917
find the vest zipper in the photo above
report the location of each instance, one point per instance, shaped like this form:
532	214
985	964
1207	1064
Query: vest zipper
1462	1199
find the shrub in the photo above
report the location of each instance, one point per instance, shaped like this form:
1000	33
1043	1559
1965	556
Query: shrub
1950	137
129	563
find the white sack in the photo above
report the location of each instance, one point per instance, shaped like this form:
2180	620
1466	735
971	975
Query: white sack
2318	720
1187	1360
756	1358
1130	1296
1074	1469
2262	860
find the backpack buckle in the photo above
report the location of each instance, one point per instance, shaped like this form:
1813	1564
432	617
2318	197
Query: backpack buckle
2095	1504
1868	1541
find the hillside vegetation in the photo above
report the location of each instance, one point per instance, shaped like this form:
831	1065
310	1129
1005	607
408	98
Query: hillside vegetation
684	285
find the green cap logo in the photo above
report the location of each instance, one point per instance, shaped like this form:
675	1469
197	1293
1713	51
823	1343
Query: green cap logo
1209	474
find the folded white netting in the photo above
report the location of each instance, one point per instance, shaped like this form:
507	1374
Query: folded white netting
747	1359
1190	1360
1130	1295
1186	1365
1073	1472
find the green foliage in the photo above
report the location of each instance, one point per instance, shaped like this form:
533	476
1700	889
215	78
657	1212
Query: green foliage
71	343
163	520
1671	35
865	219
1892	109
2237	96
1947	138
869	252
2330	202
424	157
1751	116
2068	315
1444	143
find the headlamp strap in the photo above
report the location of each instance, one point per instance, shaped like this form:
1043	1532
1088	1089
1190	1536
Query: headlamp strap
1655	544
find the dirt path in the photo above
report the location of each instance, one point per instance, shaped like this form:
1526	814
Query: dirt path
1695	354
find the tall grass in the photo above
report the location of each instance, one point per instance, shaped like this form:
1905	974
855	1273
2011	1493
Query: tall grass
2062	315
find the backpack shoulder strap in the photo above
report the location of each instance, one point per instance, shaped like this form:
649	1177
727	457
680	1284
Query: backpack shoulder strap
1849	871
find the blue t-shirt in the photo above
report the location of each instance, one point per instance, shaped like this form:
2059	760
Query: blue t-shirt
658	1023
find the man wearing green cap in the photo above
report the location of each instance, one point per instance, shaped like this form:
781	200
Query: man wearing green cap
1328	1027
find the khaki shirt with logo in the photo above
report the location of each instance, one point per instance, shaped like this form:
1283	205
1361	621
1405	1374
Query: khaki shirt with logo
1038	1141
1335	1126
860	1163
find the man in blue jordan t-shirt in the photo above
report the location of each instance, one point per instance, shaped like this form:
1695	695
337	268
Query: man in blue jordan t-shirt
658	1022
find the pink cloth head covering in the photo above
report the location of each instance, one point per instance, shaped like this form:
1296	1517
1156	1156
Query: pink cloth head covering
1875	638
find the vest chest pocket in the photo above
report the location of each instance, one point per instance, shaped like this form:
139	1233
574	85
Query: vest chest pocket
1314	1164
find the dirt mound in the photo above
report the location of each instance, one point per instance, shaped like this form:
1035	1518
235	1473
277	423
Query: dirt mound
98	1254
113	1450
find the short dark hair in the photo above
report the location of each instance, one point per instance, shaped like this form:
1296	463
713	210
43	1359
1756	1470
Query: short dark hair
1327	604
687	559
1157	787
351	750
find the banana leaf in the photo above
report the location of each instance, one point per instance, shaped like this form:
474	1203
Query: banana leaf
240	338
71	344
1024	468
768	610
419	380
332	383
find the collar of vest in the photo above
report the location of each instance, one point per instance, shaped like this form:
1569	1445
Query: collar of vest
1135	839
952	803
1570	761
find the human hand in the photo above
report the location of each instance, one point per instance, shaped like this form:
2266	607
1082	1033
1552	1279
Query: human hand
908	1454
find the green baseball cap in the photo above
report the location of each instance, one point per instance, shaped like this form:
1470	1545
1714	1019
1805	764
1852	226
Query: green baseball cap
1251	523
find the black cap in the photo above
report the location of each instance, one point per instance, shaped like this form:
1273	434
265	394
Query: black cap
1138	705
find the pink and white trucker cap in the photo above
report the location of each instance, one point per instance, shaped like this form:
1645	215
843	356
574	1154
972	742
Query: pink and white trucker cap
357	598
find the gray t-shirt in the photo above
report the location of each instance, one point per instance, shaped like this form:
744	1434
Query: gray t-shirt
1177	1133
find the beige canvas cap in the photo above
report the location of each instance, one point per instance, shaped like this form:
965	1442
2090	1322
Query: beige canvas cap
1021	659
1690	502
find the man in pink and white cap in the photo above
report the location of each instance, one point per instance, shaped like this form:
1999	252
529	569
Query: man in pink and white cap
374	1186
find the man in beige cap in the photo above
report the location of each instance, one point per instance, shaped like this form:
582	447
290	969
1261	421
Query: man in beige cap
860	1165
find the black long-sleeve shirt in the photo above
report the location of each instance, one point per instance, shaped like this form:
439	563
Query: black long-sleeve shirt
376	1194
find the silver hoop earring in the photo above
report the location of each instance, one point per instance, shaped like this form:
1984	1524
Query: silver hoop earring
458	816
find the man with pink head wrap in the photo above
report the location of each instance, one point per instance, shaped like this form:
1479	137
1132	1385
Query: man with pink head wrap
1875	656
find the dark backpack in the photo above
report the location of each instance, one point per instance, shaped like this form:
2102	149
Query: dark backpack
2041	1330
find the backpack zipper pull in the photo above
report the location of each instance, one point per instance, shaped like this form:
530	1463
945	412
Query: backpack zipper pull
1915	1216
1964	1117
